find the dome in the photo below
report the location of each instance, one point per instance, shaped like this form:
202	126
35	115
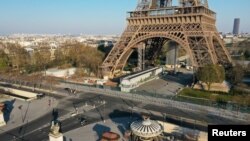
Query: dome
146	128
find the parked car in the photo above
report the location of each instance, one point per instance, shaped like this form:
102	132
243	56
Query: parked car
82	121
40	95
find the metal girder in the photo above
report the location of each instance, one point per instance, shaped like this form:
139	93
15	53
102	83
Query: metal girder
194	30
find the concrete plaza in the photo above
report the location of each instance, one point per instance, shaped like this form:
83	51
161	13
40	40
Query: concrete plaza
166	85
22	112
93	132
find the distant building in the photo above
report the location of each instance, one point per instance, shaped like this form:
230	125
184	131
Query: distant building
236	26
29	50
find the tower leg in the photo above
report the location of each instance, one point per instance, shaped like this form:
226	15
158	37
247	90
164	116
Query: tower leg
172	56
139	61
141	57
176	54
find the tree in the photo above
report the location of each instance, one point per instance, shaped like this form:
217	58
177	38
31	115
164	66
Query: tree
4	61
104	49
237	74
86	57
80	56
51	81
210	74
248	68
247	54
60	57
19	57
41	59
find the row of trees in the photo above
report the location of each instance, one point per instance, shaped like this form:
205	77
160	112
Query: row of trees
242	49
77	55
17	59
3	60
210	74
13	57
243	54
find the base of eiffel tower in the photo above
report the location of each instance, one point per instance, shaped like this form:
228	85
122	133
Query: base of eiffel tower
191	25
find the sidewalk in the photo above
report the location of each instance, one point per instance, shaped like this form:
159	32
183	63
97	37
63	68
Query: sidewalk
94	131
25	112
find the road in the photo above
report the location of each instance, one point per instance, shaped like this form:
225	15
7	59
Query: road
114	107
154	100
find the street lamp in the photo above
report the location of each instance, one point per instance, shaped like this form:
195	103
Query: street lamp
164	121
20	108
104	103
131	113
155	93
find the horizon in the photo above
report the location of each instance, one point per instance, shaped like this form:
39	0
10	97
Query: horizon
65	17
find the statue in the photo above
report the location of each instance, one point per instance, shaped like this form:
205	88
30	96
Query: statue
2	122
55	128
54	134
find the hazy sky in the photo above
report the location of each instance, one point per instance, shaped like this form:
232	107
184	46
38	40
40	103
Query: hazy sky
95	16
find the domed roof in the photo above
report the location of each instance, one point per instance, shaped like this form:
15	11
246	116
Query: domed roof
146	128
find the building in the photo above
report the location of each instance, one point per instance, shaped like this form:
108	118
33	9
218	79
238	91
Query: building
133	81
62	73
236	28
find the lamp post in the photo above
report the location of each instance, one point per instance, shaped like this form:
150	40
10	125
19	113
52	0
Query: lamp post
104	103
164	121
155	93
20	108
131	113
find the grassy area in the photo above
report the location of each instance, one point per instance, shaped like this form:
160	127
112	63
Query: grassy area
234	96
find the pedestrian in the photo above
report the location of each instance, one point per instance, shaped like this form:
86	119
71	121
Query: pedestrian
49	102
20	107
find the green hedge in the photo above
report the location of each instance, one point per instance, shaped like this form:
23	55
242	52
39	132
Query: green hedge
233	97
195	93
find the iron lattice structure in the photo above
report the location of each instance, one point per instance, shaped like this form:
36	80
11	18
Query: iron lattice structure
191	24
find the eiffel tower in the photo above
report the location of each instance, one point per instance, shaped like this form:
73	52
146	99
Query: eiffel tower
191	24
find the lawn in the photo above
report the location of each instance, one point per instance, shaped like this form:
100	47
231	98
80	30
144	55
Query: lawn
234	96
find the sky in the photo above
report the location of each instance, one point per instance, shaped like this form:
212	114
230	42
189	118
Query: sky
99	17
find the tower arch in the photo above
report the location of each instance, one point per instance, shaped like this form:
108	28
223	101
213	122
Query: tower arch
121	62
191	24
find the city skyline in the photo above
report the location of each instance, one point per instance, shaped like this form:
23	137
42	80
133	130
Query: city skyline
94	16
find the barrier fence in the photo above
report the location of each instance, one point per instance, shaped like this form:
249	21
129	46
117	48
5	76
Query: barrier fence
151	98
